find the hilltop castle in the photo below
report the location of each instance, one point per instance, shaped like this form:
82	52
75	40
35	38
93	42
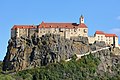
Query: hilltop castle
66	30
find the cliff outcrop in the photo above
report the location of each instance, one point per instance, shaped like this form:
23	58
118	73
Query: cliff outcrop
109	65
25	53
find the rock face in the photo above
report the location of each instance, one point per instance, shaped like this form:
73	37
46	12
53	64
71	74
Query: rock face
97	45
109	62
24	53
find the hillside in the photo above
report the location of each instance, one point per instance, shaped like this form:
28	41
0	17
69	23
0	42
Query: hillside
43	58
90	67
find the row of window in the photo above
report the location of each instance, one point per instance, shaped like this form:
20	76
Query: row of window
61	29
101	38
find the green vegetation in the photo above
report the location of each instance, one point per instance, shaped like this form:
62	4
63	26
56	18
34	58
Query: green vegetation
83	69
1	67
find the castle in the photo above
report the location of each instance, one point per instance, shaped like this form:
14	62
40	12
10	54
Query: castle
66	30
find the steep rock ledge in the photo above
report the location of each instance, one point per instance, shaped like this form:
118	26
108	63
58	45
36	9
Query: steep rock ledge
24	53
109	62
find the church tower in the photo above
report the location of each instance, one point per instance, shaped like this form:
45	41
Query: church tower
81	19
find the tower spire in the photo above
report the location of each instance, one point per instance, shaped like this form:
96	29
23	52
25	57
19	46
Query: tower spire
81	19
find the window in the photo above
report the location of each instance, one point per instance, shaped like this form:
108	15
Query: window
60	30
72	30
85	31
101	37
75	30
98	37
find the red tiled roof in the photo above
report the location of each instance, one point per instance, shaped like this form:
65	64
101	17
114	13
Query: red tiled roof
99	32
61	25
23	27
106	34
110	35
82	25
51	25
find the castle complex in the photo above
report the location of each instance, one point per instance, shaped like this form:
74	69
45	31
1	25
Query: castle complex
66	30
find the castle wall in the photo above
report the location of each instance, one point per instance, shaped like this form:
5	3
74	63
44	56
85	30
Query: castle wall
67	34
109	40
31	31
91	39
43	31
13	33
17	33
22	32
100	37
83	32
73	32
116	42
61	32
66	30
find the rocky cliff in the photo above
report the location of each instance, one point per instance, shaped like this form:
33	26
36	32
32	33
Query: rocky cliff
109	65
24	53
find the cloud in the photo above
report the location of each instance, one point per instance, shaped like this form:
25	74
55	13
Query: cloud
115	31
118	18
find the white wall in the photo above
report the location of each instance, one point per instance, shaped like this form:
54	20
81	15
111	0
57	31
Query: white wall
91	39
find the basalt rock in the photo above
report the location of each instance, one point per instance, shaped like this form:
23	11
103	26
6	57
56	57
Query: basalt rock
24	53
97	45
109	62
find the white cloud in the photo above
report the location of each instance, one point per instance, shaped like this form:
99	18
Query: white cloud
118	17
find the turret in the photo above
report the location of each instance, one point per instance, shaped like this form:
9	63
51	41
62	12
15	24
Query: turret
81	19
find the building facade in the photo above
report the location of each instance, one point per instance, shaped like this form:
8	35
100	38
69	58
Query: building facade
66	30
109	39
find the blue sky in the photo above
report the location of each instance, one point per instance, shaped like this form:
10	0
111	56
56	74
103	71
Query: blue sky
99	15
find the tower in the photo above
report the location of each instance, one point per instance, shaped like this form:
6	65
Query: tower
81	19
